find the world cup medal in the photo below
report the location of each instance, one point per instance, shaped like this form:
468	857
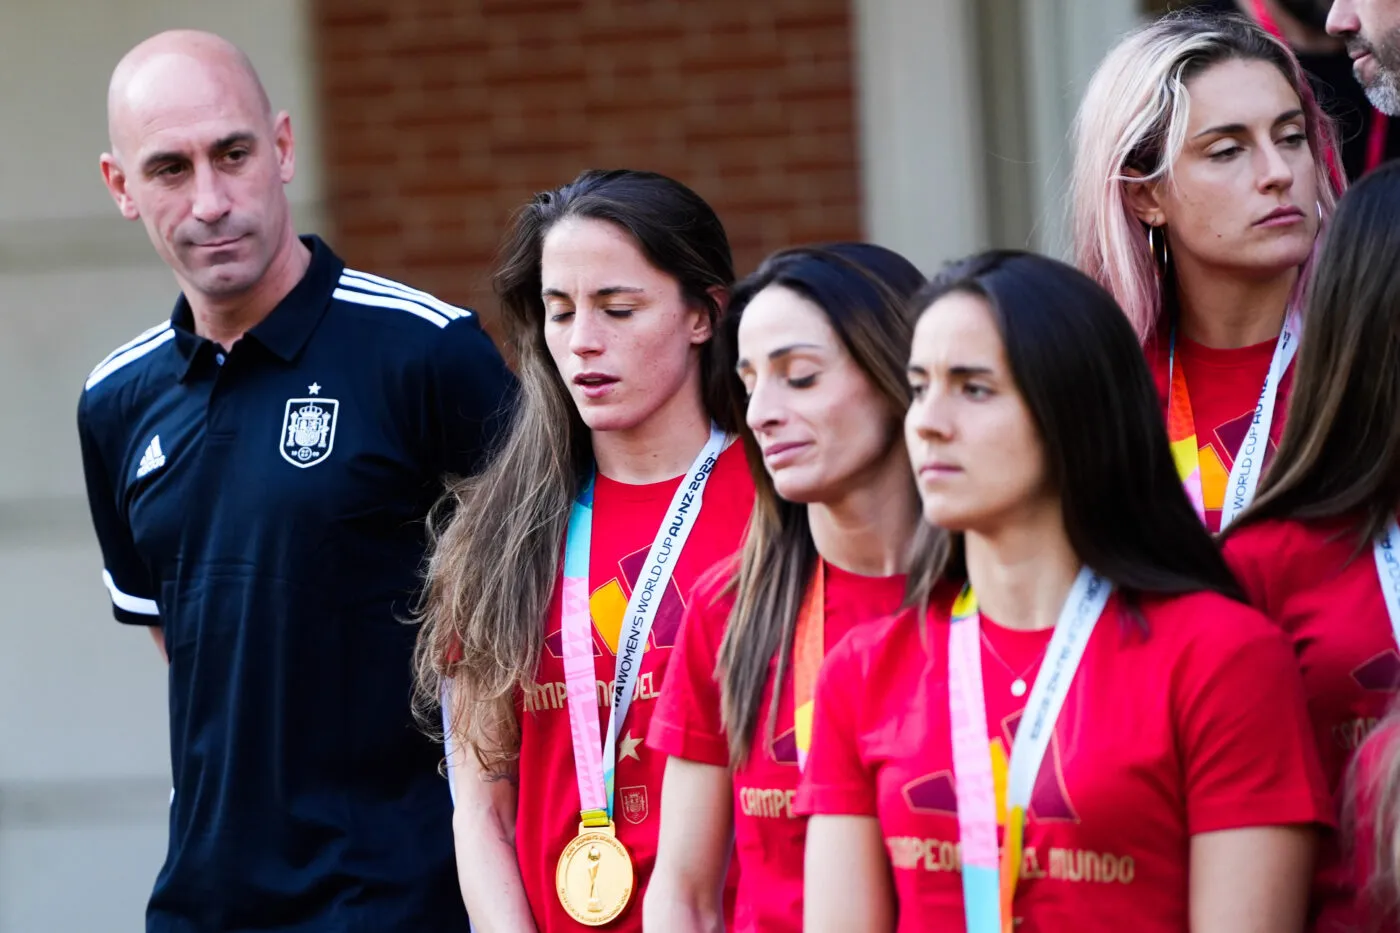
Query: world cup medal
594	876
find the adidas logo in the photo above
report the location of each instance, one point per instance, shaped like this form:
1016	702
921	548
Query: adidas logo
152	459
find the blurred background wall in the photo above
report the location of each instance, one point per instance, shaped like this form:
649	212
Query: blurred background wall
932	126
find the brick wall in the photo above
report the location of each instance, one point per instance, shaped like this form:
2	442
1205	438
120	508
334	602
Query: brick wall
442	116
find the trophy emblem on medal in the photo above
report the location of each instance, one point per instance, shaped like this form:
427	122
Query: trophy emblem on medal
595	903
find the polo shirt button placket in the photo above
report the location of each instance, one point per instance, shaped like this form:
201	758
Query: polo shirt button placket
218	419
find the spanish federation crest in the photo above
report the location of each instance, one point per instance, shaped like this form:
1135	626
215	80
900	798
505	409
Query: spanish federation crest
308	430
634	803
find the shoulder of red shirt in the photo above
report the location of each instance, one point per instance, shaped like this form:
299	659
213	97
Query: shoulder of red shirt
1284	553
1204	619
894	634
714	586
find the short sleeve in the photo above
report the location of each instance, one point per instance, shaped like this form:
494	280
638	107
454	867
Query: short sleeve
471	397
686	722
836	779
125	574
1248	749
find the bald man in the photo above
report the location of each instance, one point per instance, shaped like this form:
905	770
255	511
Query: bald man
1371	29
259	467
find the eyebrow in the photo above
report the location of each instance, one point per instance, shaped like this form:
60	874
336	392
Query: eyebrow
604	292
775	355
957	372
227	142
1229	129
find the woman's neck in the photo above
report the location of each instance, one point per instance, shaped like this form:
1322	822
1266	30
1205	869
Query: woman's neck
1022	573
660	448
1226	313
869	530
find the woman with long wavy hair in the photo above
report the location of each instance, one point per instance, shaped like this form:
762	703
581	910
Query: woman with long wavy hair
1319	551
555	590
816	339
1085	730
1200	183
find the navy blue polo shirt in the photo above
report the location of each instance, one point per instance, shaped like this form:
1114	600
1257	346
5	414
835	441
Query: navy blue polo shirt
265	507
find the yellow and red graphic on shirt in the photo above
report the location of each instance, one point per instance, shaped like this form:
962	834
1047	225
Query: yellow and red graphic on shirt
1217	458
1050	801
607	605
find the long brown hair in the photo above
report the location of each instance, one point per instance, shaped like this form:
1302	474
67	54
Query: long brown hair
864	292
495	554
1340	452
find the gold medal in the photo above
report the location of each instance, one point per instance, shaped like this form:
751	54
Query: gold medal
594	876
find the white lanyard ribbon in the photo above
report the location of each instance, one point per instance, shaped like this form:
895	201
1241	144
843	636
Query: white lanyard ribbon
1249	460
1388	568
596	765
986	900
1083	607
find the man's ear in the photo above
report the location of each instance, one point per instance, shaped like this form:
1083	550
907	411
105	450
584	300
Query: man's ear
1143	198
115	179
285	142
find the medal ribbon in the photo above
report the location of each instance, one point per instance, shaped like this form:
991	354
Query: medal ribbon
808	647
1388	567
989	882
1181	432
1181	428
595	760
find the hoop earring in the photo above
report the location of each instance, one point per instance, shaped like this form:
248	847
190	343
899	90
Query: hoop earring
1158	251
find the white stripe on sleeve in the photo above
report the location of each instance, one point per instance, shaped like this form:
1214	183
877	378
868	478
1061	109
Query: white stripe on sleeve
121	359
365	282
384	301
144	607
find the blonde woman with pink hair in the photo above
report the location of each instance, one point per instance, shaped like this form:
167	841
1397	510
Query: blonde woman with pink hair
1200	185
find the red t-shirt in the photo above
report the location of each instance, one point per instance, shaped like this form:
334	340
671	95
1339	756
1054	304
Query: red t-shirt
1326	596
1195	724
1224	386
625	522
769	835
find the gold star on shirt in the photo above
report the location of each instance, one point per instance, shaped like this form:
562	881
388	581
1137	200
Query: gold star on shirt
629	747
